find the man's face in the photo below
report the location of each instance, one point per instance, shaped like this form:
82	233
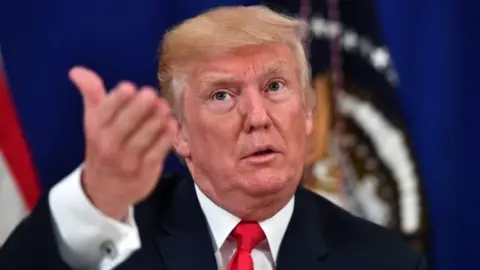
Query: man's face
245	125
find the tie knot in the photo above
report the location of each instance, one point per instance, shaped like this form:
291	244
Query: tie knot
248	235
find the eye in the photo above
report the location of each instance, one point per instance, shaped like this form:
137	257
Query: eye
221	100
220	95
275	86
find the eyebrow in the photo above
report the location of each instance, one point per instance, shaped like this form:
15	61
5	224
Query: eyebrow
218	78
224	78
275	67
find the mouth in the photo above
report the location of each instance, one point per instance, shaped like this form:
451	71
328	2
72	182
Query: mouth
263	152
262	155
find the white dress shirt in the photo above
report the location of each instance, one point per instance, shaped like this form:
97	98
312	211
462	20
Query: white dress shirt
88	239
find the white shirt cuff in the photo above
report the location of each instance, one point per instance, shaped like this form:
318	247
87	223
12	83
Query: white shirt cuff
87	238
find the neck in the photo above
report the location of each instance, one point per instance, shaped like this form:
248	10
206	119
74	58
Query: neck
239	202
246	207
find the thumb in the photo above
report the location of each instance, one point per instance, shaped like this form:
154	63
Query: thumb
89	84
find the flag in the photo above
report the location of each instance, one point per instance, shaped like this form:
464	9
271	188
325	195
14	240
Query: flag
18	188
41	111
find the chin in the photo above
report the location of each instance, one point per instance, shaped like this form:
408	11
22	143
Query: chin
264	183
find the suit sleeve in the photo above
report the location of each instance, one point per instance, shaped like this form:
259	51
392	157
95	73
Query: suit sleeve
422	264
65	231
32	244
88	239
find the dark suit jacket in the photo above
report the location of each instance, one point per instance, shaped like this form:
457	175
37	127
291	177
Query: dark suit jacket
175	236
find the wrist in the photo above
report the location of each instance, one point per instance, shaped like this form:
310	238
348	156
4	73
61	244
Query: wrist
108	204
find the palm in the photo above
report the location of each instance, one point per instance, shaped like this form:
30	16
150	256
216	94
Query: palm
128	135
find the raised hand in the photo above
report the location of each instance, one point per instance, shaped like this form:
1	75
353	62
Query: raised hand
128	133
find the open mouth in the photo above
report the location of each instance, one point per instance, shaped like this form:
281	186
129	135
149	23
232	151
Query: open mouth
263	152
262	156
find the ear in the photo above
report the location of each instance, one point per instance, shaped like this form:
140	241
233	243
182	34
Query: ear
309	106
181	142
309	122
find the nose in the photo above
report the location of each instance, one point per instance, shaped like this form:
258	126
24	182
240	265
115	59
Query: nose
254	110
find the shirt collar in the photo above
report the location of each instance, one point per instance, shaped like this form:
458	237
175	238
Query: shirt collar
221	223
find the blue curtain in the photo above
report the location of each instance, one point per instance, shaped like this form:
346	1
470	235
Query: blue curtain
435	46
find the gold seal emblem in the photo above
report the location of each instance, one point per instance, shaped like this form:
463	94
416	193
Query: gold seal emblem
367	169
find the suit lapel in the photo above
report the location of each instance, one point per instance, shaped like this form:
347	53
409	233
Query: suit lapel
303	246
183	238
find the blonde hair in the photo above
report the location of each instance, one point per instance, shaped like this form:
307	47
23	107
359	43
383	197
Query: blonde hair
221	30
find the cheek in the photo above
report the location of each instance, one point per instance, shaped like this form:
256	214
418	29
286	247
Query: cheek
221	106
212	134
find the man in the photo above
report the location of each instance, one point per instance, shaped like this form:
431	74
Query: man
238	110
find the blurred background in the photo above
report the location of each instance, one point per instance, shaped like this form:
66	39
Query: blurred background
396	130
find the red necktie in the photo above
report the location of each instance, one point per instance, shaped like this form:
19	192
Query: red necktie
248	236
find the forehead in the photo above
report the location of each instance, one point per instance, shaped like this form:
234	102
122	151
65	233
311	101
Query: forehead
257	59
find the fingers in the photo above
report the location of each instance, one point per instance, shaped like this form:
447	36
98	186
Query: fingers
90	85
156	134
135	123
116	100
163	144
133	114
148	132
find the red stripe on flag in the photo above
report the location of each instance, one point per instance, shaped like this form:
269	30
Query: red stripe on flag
15	148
